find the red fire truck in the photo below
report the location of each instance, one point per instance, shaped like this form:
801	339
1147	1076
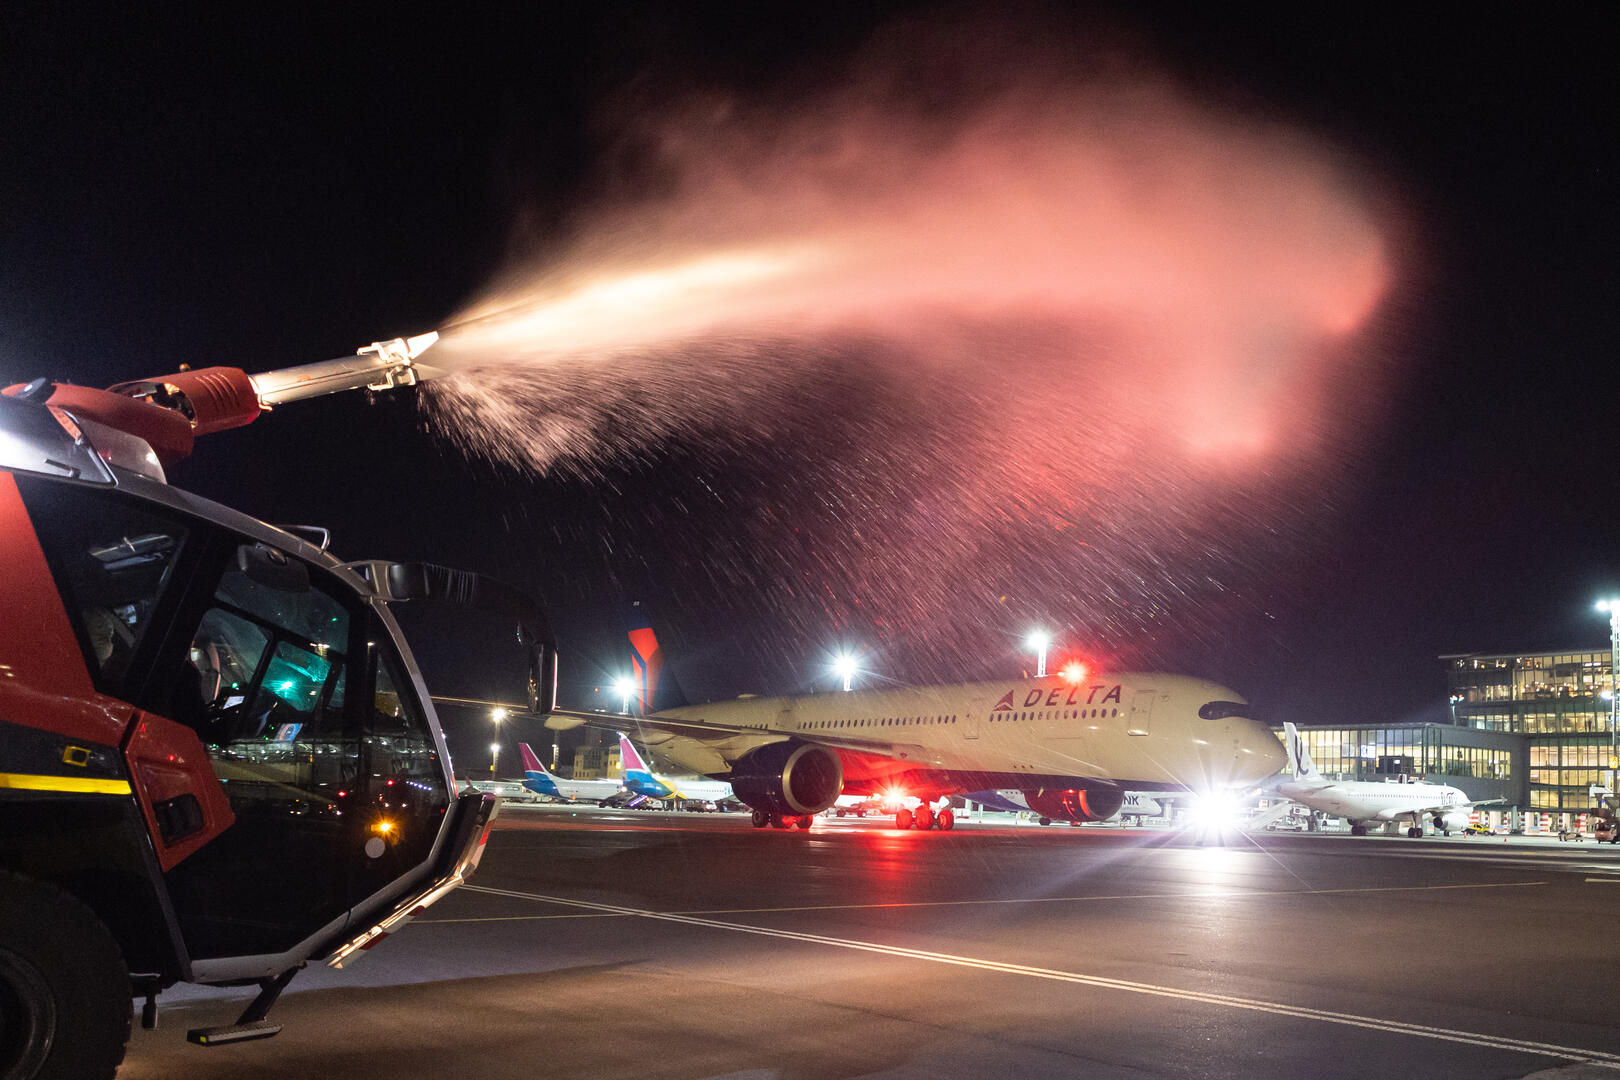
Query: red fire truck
218	761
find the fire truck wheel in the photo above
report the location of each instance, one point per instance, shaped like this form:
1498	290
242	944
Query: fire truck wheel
65	1003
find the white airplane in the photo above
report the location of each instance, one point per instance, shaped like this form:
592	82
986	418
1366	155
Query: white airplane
1074	745
1366	803
542	781
641	780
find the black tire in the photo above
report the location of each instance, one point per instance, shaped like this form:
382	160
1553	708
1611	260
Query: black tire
65	1002
761	819
945	820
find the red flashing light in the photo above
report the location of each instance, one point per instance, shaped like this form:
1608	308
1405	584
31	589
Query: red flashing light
390	783
1074	672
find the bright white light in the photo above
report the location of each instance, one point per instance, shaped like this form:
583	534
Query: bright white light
1038	641
845	667
494	747
1213	813
499	714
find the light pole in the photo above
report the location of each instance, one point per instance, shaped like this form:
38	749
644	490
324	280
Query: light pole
496	716
624	688
1612	606
1038	641
845	667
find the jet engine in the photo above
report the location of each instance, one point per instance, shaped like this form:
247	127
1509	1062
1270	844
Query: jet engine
788	778
1076	804
1453	822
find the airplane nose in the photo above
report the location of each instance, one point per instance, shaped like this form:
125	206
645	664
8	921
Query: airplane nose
1260	753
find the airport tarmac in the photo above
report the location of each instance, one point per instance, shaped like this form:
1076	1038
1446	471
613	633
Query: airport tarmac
597	943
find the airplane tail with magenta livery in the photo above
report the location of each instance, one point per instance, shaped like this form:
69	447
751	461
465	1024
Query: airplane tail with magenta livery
536	777
637	776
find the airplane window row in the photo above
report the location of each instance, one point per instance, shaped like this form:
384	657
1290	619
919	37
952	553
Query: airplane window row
881	721
1068	714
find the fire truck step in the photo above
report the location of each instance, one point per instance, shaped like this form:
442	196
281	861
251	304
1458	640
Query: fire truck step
232	1033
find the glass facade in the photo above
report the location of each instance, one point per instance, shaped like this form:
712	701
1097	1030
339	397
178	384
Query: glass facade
1356	753
1560	701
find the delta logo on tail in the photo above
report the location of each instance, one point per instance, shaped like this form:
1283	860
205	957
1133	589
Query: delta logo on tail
1005	704
646	657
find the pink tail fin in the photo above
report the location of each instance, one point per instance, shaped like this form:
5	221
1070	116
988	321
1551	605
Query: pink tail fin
628	758
530	762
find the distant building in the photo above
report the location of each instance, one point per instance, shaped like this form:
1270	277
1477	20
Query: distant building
1484	764
597	763
1557	703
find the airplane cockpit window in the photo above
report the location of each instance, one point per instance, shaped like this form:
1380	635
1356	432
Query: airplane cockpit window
1220	710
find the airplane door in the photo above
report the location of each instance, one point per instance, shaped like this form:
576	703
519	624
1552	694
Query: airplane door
1141	718
970	725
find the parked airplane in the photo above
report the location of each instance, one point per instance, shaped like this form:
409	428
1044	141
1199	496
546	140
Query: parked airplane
1365	803
542	781
1074	745
641	780
1136	804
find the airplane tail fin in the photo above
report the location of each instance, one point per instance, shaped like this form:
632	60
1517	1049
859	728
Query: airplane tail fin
531	762
629	758
656	687
1299	758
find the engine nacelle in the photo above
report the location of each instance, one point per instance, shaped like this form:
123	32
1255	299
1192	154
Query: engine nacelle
1452	822
788	778
1076	804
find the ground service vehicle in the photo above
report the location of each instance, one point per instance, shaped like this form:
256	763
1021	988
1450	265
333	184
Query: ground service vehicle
217	758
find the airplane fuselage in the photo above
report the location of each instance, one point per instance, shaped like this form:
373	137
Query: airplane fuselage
542	783
1133	731
1369	801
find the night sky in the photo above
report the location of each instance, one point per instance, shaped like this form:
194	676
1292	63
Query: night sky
211	188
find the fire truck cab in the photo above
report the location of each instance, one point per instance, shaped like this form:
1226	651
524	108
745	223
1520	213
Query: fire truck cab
218	760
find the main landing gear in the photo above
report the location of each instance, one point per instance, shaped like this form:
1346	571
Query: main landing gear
924	818
781	821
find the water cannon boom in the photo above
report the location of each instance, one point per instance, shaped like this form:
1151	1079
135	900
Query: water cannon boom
170	411
382	365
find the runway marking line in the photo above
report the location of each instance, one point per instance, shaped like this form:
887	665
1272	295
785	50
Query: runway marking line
1231	895
1600	1058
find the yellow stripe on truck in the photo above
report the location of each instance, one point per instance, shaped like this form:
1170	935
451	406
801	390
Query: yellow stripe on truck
77	784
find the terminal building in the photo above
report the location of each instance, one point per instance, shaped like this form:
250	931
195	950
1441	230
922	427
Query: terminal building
1531	729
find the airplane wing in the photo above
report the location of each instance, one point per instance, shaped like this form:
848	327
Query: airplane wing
1394	813
710	748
